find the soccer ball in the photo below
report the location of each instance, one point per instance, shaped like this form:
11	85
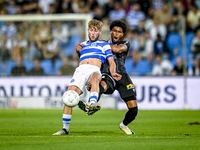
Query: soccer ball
70	98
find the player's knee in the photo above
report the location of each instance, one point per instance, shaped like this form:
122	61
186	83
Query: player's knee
96	77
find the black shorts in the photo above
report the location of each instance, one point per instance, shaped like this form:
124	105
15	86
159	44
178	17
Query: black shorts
125	86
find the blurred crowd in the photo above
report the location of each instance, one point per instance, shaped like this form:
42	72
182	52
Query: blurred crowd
160	31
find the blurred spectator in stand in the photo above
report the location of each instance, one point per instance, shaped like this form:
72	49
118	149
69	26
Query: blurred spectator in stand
60	31
118	12
12	8
20	45
4	51
175	26
8	44
9	28
78	6
193	17
195	45
33	51
30	6
52	9
90	5
98	13
159	45
187	4
157	4
37	70
163	67
75	6
140	30
49	47
145	5
146	50
19	69
195	69
24	28
3	5
126	5
178	68
164	15
149	19
134	16
66	6
67	68
107	7
132	37
43	29
158	28
178	8
45	4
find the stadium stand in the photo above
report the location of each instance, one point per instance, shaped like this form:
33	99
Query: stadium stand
73	32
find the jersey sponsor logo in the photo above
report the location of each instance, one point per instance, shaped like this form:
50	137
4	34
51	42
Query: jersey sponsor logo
130	86
94	44
72	81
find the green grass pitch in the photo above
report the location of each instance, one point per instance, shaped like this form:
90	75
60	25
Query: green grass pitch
155	130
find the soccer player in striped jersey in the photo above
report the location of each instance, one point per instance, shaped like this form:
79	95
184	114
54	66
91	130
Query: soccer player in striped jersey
124	86
93	55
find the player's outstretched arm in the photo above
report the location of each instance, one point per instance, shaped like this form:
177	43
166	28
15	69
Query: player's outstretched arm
118	48
112	66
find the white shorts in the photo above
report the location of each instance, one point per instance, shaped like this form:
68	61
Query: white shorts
82	74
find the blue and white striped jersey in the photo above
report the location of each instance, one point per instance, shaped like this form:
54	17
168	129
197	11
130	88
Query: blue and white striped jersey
95	49
133	18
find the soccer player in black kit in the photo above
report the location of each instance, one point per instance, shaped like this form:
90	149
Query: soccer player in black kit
125	86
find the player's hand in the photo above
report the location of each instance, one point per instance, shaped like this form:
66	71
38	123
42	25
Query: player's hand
79	47
116	76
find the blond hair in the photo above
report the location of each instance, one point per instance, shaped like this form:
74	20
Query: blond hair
95	23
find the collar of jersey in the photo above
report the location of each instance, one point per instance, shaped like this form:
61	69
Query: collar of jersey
93	41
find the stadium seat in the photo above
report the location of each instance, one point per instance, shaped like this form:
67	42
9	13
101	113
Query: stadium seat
9	66
188	39
181	52
46	65
58	64
28	65
173	42
129	65
142	68
190	64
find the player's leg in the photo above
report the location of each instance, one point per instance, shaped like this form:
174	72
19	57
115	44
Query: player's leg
85	106
67	114
132	112
94	81
106	86
128	94
129	117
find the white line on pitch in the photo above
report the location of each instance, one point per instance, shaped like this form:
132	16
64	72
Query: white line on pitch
131	136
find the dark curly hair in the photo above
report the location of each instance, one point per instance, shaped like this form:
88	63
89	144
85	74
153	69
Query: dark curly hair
119	23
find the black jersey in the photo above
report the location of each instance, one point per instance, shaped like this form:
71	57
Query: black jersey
119	59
